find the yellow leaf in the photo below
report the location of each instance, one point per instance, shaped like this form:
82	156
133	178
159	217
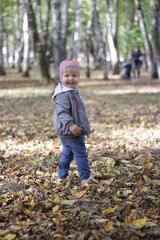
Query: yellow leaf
140	222
45	185
117	199
80	194
109	169
143	189
128	220
29	213
147	164
150	224
10	236
54	146
109	227
90	154
108	211
146	178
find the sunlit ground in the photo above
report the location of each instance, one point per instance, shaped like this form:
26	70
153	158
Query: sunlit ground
120	114
123	151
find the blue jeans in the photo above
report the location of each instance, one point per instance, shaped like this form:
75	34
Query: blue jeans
74	147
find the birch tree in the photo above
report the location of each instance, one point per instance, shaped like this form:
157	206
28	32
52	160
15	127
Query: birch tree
2	72
156	34
77	29
56	14
98	36
112	36
25	65
64	27
14	38
147	43
87	39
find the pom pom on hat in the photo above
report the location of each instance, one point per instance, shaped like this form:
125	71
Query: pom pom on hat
67	63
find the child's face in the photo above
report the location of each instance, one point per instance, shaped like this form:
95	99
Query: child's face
70	77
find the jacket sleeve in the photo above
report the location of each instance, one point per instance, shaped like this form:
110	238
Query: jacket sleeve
63	109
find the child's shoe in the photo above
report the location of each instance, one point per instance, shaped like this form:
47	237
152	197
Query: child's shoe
90	179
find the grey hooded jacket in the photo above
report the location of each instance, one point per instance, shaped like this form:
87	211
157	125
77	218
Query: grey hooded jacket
69	108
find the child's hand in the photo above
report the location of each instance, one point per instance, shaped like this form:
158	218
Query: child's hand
75	130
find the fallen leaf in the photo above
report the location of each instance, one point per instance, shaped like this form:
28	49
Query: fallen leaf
80	194
108	211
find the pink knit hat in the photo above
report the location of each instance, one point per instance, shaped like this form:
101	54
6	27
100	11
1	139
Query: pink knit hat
67	63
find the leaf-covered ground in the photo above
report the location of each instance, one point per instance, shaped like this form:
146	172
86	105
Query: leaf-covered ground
124	153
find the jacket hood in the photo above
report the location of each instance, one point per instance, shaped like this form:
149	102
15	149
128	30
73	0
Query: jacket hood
61	88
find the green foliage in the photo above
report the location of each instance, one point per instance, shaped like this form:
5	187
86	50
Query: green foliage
129	33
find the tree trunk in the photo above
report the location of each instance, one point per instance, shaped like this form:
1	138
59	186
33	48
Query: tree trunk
64	25
2	72
20	37
89	33
101	45
156	34
115	22
86	51
25	63
147	44
39	50
111	41
56	13
14	39
46	36
77	29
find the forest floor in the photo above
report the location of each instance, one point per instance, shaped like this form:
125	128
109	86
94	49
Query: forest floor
123	201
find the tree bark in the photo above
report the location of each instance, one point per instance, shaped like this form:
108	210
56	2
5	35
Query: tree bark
39	50
64	26
77	29
147	44
112	41
2	72
20	36
156	35
56	13
100	43
14	38
89	33
25	63
115	22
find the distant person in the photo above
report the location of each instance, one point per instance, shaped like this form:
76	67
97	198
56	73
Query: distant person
71	121
126	70
137	62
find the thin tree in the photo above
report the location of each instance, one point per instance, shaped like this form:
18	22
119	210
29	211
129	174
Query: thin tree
147	43
86	45
77	29
20	35
156	35
25	62
56	18
39	50
98	34
2	72
14	37
64	27
112	36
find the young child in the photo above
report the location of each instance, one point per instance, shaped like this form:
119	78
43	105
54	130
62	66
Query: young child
70	121
126	70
